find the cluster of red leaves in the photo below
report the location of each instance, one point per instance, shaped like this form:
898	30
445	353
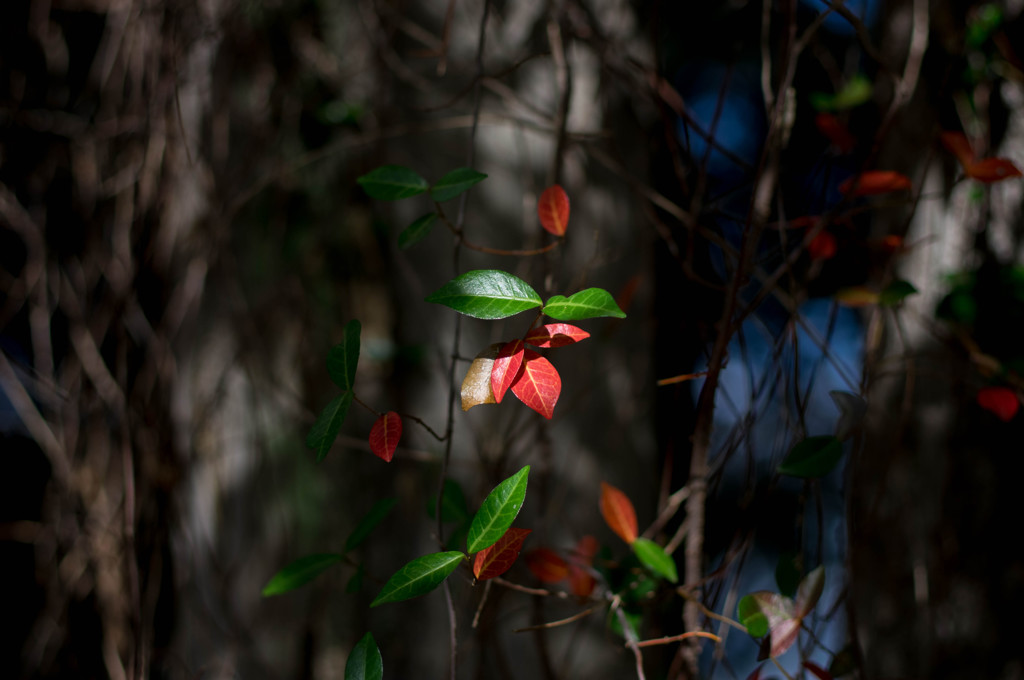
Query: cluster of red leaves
549	567
531	377
987	170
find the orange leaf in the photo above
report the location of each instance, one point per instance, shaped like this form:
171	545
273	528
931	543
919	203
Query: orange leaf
581	581
858	296
553	209
556	335
822	246
499	558
989	170
1001	401
506	366
537	384
618	512
875	182
546	565
385	434
836	132
956	143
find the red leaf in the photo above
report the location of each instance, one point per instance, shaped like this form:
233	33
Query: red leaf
506	367
537	384
586	550
556	335
835	131
1001	401
957	144
822	246
618	512
553	209
875	182
989	170
499	558
581	581
783	636
818	671
385	434
546	565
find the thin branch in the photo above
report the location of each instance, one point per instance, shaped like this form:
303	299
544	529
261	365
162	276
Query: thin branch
677	638
561	622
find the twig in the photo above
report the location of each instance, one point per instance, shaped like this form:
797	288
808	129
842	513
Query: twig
561	622
677	638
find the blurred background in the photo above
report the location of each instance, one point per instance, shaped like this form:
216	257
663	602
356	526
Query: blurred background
182	239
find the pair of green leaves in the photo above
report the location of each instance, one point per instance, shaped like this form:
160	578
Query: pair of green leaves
305	569
341	366
494	294
395	182
490	523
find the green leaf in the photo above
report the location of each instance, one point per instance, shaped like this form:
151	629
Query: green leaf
393	182
983	24
748	611
325	430
453	503
857	91
653	557
420	576
895	292
486	294
454	183
416	231
498	512
813	457
343	358
299	573
378	512
586	304
364	662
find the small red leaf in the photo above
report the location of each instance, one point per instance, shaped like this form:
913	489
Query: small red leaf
585	550
875	182
817	671
836	132
1001	401
783	636
989	170
822	246
506	367
556	335
385	434
537	384
553	209
546	565
581	581
956	143
499	558
618	512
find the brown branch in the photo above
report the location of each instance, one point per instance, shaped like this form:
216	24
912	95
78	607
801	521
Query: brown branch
561	622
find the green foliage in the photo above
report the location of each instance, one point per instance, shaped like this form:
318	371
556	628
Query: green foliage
417	231
300	572
813	457
343	358
498	511
586	304
364	661
325	430
486	294
653	557
377	513
895	293
420	576
392	183
454	183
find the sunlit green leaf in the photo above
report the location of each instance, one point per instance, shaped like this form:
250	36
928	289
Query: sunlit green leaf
813	457
857	91
586	304
420	576
325	430
299	573
653	557
378	512
364	662
416	231
454	183
486	294
498	512
393	182
343	358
